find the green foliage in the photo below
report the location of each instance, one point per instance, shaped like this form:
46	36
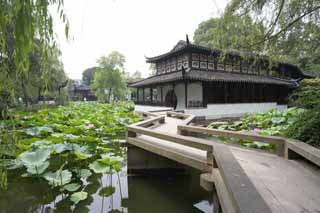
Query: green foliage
291	29
229	32
24	27
72	187
271	122
307	127
308	94
305	52
107	191
66	144
58	178
109	81
88	75
78	196
99	167
136	76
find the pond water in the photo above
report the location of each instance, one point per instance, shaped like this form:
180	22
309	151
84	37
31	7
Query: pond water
134	194
70	159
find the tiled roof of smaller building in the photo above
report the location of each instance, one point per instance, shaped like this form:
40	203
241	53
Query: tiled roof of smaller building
211	76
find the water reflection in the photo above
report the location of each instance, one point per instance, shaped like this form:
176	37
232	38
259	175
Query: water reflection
117	193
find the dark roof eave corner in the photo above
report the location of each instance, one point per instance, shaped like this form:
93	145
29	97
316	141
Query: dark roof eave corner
148	59
176	49
308	76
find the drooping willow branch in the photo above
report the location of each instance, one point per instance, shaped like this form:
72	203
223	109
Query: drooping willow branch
284	29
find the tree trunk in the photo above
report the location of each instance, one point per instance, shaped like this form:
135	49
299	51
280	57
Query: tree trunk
24	92
109	94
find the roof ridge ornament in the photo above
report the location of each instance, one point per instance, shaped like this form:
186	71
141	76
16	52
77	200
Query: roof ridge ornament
187	39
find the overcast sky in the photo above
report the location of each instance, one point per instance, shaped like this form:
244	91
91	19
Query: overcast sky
135	28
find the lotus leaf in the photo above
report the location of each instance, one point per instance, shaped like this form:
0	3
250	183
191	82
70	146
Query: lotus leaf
83	173
82	156
41	143
112	158
58	178
99	167
34	157
78	196
72	187
107	191
59	148
37	169
116	167
38	130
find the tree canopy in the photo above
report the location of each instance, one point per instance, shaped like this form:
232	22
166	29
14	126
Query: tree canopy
109	82
278	16
26	44
136	76
88	75
286	30
229	32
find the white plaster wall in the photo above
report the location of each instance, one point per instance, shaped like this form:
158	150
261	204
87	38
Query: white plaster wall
195	92
179	90
165	90
233	110
159	94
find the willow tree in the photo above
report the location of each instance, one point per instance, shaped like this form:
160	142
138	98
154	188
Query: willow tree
109	81
23	23
278	16
292	28
229	32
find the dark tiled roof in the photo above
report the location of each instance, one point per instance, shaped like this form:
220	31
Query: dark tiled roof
174	76
81	87
182	46
211	76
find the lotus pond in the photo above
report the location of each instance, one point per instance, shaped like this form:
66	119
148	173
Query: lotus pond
70	159
272	122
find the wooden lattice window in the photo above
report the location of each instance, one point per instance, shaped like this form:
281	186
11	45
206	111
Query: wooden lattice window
211	66
203	57
203	65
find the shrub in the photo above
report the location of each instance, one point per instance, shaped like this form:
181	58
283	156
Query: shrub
307	127
308	94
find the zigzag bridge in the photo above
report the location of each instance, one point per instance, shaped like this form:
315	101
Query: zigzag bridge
245	180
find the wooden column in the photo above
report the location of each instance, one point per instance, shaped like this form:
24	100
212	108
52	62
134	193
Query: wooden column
143	95
151	95
137	96
204	95
186	94
225	91
161	89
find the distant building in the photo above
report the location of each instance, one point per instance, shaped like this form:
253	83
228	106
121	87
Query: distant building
206	81
80	92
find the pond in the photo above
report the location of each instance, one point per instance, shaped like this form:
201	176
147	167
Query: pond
70	159
140	194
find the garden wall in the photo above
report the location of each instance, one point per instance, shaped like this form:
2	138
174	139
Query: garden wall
213	111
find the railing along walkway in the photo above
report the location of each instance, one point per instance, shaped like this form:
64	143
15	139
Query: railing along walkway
246	180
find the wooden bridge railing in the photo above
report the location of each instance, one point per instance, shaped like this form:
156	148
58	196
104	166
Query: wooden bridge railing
143	128
285	147
220	164
236	192
186	117
147	114
197	143
279	142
